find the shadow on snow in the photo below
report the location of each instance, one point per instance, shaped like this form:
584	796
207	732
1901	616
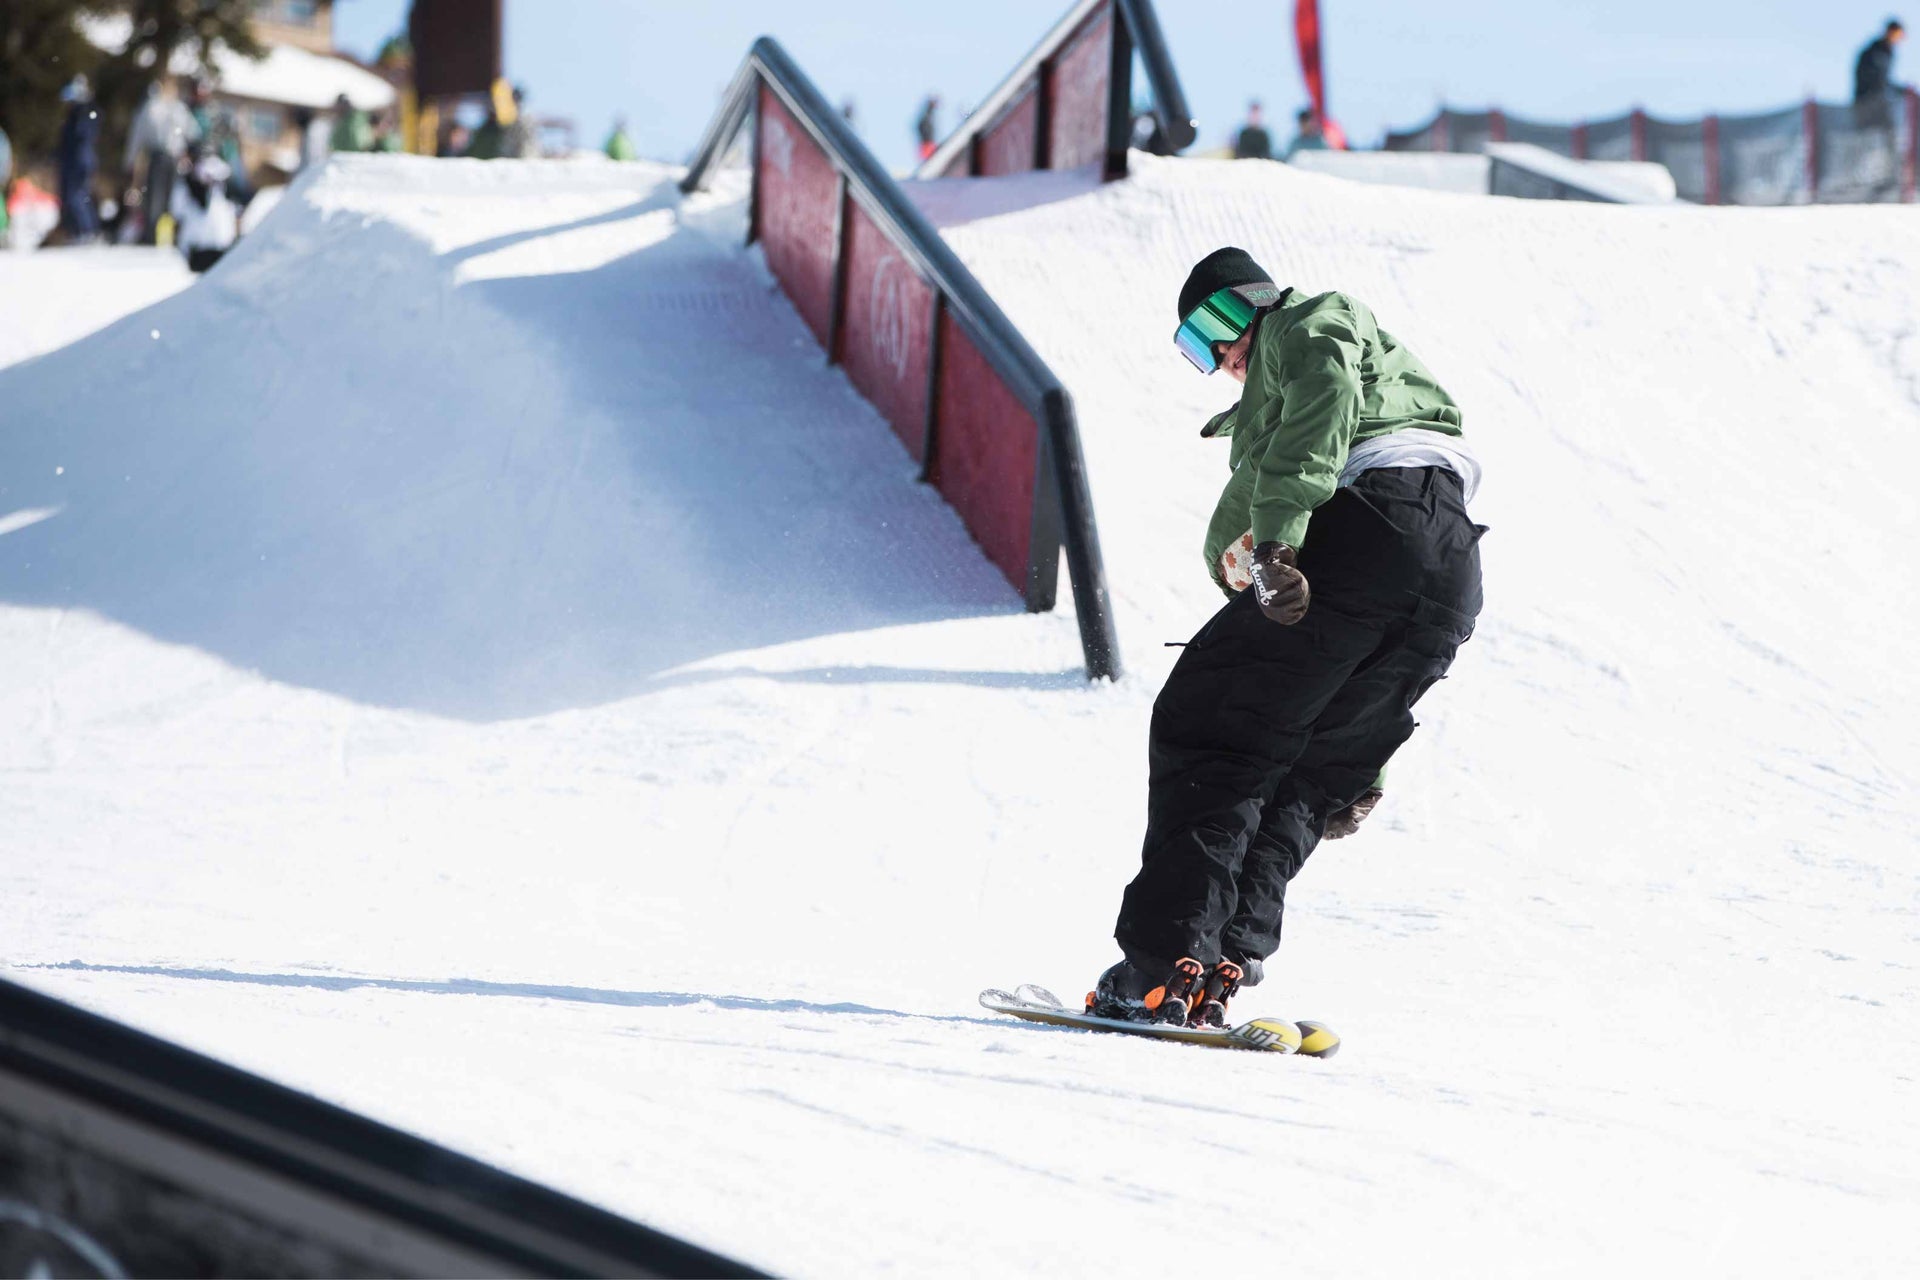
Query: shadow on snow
481	483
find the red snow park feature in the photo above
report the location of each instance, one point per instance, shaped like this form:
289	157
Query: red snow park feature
1069	102
990	425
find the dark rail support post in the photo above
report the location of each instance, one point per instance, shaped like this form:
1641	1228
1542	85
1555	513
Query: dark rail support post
930	440
837	304
1119	99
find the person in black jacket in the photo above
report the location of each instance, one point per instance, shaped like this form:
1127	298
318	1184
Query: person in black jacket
1873	80
1253	142
79	161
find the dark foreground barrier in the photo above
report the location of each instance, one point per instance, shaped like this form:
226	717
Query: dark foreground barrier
990	425
1813	153
1069	102
121	1154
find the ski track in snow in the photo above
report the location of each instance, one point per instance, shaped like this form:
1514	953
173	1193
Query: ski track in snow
532	704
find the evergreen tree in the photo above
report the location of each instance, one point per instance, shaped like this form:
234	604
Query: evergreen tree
41	48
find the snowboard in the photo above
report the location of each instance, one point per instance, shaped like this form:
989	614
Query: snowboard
1265	1035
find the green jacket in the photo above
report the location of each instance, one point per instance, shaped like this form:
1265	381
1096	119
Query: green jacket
352	132
1321	376
620	146
489	141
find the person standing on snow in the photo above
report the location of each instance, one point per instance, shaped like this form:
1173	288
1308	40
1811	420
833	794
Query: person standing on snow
1307	135
78	162
619	145
6	181
351	129
926	128
1353	576
161	133
207	220
1873	80
1253	142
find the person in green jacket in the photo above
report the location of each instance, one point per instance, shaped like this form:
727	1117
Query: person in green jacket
1352	576
351	129
619	146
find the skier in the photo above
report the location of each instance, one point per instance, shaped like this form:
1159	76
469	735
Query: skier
1346	516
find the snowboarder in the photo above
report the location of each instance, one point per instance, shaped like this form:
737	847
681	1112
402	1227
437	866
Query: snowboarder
1352	573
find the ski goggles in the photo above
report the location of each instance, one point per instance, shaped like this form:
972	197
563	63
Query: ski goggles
1223	317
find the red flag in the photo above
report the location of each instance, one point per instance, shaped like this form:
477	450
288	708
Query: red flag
1306	33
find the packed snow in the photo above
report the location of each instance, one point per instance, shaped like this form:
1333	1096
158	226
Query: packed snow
52	298
470	658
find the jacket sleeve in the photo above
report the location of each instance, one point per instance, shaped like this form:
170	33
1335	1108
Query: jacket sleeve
1309	411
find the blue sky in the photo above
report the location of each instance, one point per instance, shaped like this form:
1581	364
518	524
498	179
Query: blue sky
662	63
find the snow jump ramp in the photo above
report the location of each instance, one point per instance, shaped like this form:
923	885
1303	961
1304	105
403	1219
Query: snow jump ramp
484	440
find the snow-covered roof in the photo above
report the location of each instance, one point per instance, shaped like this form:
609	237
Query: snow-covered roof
288	74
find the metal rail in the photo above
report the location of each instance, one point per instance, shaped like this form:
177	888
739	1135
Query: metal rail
1141	34
270	1173
978	316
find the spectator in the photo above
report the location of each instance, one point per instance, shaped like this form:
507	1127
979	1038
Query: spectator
1873	80
521	142
489	141
506	133
351	131
458	139
224	142
926	127
1253	142
386	136
161	133
1307	136
6	179
619	146
200	104
78	159
207	220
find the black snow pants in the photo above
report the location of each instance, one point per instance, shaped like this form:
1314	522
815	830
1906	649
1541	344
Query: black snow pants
1264	731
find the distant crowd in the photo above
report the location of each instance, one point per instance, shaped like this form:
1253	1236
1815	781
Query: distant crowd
182	179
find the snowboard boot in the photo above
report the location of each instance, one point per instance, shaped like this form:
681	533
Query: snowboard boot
1128	993
1216	988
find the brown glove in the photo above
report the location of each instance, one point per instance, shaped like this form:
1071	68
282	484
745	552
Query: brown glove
1280	588
1348	820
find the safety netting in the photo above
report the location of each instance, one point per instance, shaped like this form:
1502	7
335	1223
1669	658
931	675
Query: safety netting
1850	153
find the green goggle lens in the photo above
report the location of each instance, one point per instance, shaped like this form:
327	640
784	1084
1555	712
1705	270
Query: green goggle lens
1223	317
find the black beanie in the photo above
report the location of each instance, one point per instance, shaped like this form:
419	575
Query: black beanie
1222	269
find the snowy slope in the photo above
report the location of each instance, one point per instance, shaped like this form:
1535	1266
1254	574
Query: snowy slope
616	767
56	296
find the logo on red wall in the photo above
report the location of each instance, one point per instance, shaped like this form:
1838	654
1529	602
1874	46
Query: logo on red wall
887	311
778	145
